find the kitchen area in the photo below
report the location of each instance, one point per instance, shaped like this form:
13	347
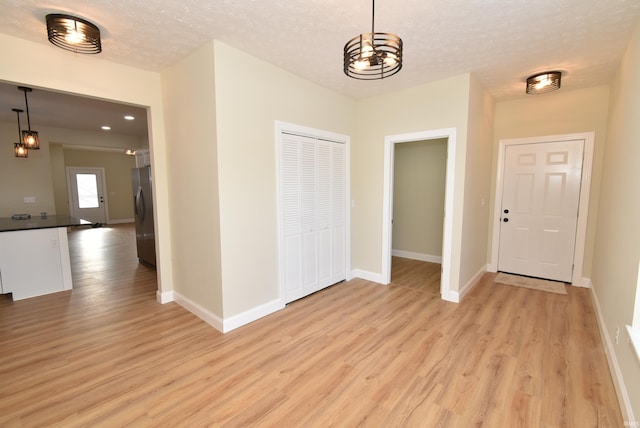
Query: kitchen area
81	177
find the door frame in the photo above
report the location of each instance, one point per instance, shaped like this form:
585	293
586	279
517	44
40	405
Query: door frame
583	208
99	170
387	203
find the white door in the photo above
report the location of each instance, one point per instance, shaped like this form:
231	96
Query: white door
313	193
539	212
87	194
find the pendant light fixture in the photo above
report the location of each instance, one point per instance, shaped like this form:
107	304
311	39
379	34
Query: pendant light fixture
373	56
29	138
544	82
73	34
19	149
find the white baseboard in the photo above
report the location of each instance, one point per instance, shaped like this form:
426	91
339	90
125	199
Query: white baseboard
220	324
475	279
121	221
251	315
165	297
368	276
614	367
584	283
417	256
204	314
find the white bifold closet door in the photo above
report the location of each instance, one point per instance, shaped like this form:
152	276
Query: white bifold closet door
314	214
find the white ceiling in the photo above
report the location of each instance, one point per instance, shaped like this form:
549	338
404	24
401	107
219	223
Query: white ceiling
501	41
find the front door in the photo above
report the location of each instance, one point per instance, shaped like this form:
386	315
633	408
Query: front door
87	194
539	211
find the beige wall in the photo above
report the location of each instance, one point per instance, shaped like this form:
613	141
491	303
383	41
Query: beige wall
561	112
92	76
418	196
477	184
444	104
117	168
20	177
617	240
189	100
250	96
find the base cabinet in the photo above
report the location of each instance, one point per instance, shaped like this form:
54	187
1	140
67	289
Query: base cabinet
35	262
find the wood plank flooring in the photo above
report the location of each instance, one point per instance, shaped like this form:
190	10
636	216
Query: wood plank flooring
357	354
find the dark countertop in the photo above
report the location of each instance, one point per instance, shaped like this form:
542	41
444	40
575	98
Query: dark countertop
35	222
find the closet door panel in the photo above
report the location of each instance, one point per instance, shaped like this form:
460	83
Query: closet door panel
291	184
308	156
338	212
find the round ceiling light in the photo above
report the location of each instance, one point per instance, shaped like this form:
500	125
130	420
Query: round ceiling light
73	34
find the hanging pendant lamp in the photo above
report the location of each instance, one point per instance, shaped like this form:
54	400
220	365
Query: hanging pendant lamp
19	149
29	138
373	56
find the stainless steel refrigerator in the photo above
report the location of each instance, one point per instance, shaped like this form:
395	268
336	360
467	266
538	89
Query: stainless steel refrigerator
143	212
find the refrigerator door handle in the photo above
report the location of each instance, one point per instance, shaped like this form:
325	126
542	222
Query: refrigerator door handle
139	204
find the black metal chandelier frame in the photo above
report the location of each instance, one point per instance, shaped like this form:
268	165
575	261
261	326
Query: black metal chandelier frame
373	56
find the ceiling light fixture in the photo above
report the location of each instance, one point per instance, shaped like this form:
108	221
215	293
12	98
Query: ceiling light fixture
19	149
106	128
73	34
129	117
373	56
130	152
29	138
544	82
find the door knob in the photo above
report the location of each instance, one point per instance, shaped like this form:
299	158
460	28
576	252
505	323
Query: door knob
506	211
506	220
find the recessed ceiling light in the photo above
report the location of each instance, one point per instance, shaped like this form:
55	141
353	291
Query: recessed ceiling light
129	117
106	128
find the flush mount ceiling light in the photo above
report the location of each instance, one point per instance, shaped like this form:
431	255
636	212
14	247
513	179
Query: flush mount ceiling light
30	138
19	149
372	56
544	82
73	34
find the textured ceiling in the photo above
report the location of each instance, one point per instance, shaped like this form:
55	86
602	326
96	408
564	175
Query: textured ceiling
501	41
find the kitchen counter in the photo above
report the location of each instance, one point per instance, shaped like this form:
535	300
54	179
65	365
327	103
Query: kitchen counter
9	225
34	256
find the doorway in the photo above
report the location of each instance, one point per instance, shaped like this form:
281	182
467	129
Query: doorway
87	194
387	215
541	206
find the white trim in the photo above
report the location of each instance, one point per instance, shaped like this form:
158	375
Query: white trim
614	367
122	221
471	284
223	325
284	127
165	297
634	338
367	276
251	315
417	256
387	202
583	283
65	258
583	209
204	314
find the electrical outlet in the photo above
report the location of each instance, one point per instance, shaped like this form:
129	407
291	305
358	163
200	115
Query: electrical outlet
617	334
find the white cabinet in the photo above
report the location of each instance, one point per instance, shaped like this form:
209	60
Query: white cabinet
312	189
35	262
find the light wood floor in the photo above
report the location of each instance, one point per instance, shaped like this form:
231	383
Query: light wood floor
356	354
